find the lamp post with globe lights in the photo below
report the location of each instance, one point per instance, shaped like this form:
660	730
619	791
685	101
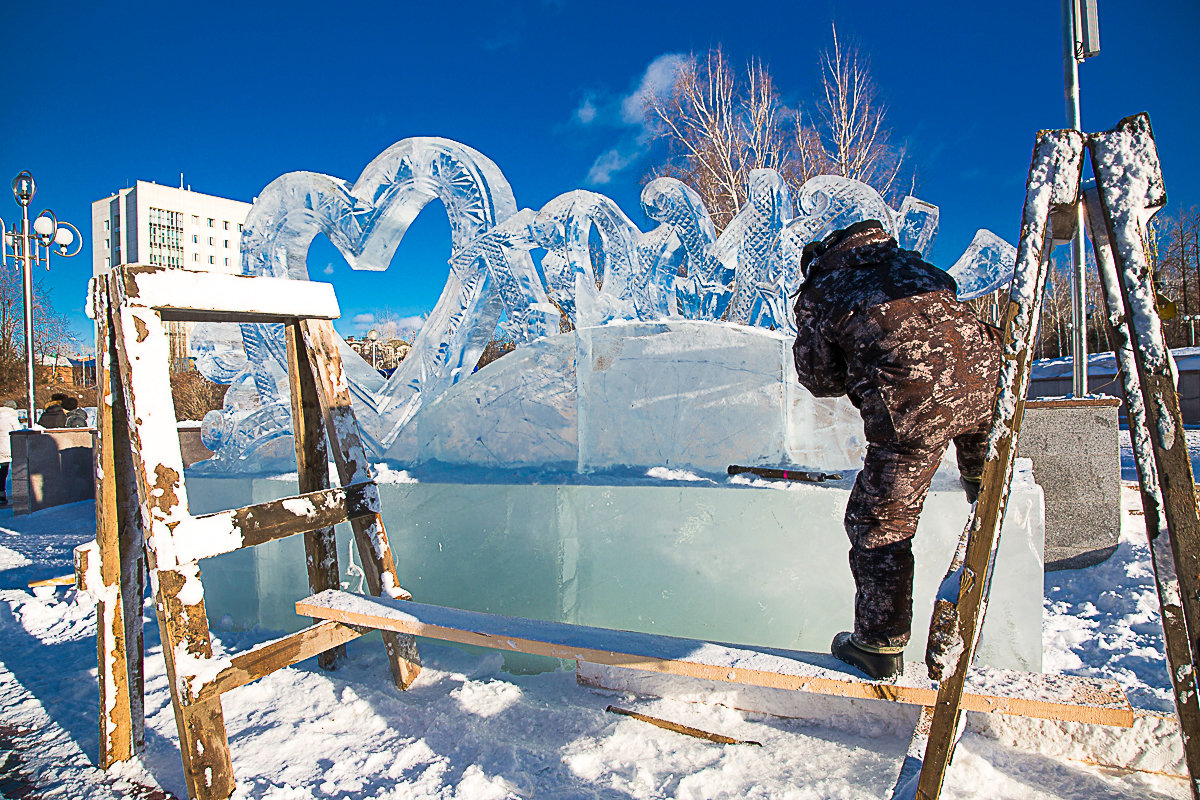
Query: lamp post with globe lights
373	337
30	244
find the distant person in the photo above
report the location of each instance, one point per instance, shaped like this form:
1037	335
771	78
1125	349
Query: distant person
8	422
76	416
55	416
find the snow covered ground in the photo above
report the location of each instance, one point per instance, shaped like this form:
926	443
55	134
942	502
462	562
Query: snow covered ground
467	730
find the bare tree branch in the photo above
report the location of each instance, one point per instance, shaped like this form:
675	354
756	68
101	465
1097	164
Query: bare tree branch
719	126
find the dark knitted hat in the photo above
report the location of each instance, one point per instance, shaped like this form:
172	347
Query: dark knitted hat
814	250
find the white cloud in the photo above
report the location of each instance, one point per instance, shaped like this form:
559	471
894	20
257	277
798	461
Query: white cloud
328	268
611	162
587	111
414	322
627	114
364	319
656	81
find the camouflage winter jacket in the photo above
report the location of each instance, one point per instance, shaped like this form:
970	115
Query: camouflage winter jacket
881	325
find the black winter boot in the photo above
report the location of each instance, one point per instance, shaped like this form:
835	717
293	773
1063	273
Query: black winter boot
879	663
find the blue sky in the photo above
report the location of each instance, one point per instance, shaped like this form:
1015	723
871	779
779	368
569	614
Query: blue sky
235	94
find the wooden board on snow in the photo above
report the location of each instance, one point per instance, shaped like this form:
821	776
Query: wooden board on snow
1004	691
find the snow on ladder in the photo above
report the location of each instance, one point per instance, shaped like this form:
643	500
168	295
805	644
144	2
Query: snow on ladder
1129	191
141	489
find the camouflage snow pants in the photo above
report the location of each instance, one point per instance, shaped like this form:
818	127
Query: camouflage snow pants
881	519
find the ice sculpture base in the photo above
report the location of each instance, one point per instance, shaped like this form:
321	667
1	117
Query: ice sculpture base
738	561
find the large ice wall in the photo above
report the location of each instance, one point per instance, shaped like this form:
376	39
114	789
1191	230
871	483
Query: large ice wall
578	263
740	561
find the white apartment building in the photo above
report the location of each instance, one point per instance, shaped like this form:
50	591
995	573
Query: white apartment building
162	225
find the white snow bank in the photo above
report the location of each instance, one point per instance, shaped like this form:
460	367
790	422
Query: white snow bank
467	731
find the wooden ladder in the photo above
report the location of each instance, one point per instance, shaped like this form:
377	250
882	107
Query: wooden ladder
142	507
1129	190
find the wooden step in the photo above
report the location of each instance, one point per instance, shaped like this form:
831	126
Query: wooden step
1061	697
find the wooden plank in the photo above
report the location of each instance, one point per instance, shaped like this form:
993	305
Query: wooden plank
61	580
183	294
275	655
131	544
1053	182
158	468
120	692
312	470
1130	190
999	691
225	531
370	536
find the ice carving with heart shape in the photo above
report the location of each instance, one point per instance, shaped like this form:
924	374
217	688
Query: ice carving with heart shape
594	267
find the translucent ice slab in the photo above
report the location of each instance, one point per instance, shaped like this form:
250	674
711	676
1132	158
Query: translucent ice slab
739	561
680	393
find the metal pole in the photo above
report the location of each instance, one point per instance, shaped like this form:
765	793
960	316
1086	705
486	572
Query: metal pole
27	242
1079	387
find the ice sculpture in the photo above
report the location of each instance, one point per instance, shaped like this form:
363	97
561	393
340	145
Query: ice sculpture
578	262
985	266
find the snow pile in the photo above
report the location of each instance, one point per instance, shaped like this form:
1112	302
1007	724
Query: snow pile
465	730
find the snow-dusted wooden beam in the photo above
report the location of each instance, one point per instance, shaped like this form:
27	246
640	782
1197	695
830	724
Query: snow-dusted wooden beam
1061	697
1051	189
274	655
1130	190
184	294
114	569
211	535
312	473
370	536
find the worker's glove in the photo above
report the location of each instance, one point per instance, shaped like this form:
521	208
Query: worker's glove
970	486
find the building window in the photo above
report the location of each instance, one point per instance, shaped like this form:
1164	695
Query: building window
195	256
106	225
226	225
210	222
212	259
210	241
239	227
165	230
227	262
195	220
226	244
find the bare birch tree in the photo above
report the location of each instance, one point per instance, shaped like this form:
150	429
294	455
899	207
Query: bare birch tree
856	140
51	329
718	128
719	125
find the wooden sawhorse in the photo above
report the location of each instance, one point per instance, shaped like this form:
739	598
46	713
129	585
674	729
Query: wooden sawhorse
142	507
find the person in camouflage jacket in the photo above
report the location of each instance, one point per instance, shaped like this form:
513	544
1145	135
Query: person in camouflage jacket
880	325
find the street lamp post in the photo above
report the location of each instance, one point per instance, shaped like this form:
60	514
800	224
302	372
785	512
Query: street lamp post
373	336
1191	320
1081	39
21	244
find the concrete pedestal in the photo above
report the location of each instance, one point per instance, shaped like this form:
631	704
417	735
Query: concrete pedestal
51	468
1076	452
